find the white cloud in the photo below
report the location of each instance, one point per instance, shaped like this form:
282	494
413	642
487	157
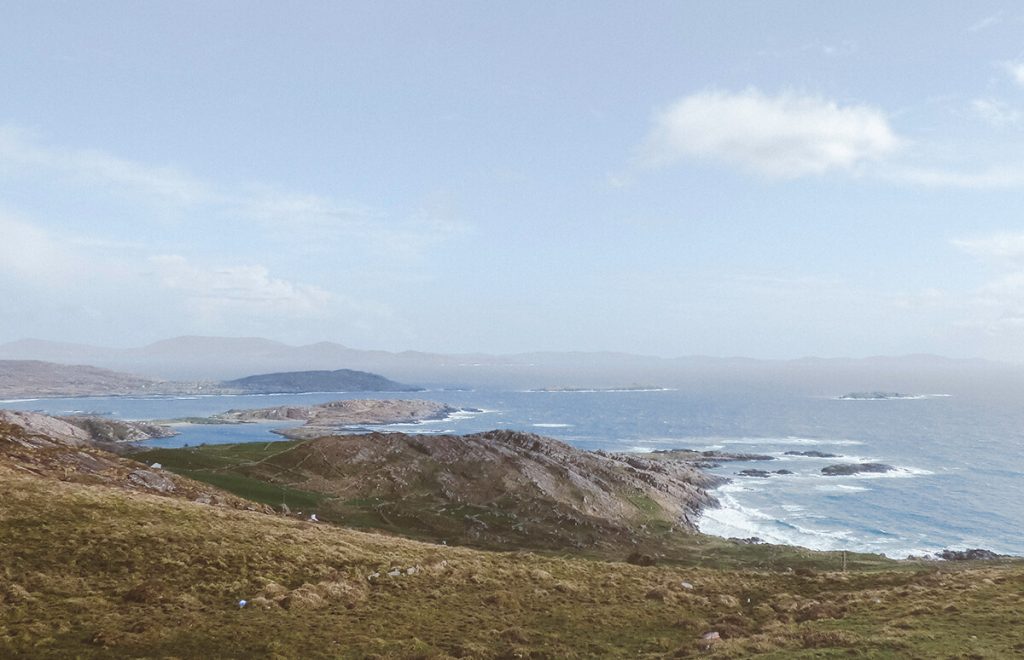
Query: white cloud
314	222
997	113
32	254
988	179
997	246
995	309
784	136
986	22
238	289
20	151
1015	71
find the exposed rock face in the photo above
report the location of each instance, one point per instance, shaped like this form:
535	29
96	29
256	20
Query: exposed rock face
152	481
844	469
329	418
102	429
43	430
498	488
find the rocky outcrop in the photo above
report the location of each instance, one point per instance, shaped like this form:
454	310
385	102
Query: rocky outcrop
106	430
971	554
52	448
812	454
35	429
761	473
845	469
692	455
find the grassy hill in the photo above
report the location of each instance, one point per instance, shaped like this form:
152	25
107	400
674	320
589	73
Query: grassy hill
101	566
500	489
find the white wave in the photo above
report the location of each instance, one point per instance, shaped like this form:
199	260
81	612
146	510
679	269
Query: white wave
790	441
840	488
734	520
17	400
641	450
462	414
898	473
553	425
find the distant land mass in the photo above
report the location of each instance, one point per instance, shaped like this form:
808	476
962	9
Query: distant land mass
36	378
218	359
298	382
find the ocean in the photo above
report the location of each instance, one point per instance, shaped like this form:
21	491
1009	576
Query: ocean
959	458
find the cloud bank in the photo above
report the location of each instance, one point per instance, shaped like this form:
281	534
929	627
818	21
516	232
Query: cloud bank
785	136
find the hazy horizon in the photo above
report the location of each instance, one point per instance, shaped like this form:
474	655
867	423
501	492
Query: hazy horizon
772	181
212	339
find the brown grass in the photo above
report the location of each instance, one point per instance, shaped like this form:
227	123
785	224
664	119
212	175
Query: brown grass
94	571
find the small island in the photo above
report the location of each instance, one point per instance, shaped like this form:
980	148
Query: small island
812	454
876	396
626	388
846	469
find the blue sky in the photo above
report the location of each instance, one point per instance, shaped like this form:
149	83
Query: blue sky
762	179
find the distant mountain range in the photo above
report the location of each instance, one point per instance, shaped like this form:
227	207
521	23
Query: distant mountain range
219	359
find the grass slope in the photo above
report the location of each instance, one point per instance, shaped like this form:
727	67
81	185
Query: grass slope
499	490
95	571
351	494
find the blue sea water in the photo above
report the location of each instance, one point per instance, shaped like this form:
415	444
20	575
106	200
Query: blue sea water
959	480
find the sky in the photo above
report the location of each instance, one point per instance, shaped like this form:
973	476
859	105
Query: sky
772	180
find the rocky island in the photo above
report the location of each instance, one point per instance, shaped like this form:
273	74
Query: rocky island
625	388
846	469
875	396
330	418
